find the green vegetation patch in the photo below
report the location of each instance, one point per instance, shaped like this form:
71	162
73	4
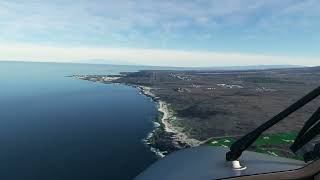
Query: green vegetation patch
277	139
271	144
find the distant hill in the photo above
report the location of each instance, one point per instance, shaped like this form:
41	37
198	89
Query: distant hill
225	68
258	67
316	68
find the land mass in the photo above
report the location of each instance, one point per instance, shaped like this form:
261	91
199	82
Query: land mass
207	106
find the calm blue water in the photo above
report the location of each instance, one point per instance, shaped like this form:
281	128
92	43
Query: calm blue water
56	127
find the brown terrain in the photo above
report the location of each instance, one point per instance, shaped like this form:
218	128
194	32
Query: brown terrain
229	103
210	104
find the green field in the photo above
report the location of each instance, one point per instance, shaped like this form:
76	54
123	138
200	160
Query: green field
272	144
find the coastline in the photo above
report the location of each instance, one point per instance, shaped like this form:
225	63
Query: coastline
215	108
165	137
179	140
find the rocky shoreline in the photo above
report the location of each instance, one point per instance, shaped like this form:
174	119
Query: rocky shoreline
165	138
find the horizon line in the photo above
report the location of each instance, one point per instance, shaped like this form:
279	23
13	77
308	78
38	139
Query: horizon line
142	65
146	57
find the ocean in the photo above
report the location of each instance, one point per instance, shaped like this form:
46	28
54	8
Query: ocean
57	127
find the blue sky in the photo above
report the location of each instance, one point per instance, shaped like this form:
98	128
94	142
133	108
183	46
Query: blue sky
222	32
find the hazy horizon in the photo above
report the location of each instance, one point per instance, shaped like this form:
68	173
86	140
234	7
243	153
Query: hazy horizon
162	33
259	66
